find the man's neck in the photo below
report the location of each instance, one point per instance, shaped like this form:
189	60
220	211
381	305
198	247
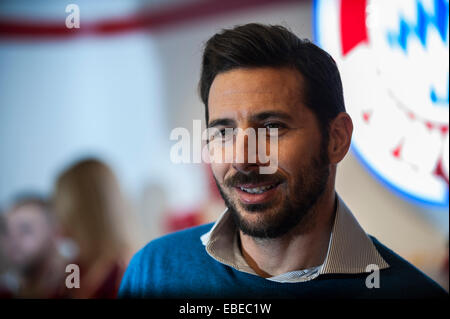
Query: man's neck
303	247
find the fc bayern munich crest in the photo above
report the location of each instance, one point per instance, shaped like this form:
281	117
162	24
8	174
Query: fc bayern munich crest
394	61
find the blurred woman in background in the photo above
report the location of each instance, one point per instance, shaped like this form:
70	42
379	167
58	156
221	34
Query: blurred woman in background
91	209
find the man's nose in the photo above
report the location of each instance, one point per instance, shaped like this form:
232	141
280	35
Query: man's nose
245	168
245	157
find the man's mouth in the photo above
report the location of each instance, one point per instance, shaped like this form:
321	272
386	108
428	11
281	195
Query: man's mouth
256	193
258	190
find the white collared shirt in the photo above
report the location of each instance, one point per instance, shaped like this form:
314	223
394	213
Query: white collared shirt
350	250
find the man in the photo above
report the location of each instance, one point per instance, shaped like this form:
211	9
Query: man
286	234
31	249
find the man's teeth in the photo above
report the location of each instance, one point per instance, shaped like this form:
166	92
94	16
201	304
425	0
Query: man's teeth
258	190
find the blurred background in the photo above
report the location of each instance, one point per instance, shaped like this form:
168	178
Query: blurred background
86	115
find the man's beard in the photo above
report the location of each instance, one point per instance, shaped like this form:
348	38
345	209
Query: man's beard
295	209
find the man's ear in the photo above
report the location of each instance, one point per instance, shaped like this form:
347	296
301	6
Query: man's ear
340	136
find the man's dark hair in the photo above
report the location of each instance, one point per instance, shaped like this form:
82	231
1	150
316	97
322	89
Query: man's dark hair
32	199
256	45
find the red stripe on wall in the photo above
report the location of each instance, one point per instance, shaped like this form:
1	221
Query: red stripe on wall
150	20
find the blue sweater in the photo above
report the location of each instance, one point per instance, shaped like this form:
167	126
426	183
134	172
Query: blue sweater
178	266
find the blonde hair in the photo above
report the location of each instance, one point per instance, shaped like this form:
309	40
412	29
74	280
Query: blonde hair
91	209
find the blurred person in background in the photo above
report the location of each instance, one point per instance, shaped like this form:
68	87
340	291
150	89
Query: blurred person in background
89	203
5	290
30	244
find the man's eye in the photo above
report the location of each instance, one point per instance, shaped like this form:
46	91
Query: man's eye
274	125
219	133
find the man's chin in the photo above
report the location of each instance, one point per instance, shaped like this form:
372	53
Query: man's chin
256	220
266	222
257	227
269	207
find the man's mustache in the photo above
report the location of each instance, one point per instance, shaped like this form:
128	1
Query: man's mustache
252	177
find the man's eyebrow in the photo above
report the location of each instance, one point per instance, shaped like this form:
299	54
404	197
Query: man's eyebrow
219	122
270	114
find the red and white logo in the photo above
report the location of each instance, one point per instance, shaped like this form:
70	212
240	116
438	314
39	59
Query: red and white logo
394	61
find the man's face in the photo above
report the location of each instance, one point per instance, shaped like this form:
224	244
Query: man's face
269	205
29	236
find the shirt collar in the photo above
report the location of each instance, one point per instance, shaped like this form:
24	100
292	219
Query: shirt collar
350	249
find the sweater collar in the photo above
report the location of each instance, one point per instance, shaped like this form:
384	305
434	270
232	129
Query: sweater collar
350	249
